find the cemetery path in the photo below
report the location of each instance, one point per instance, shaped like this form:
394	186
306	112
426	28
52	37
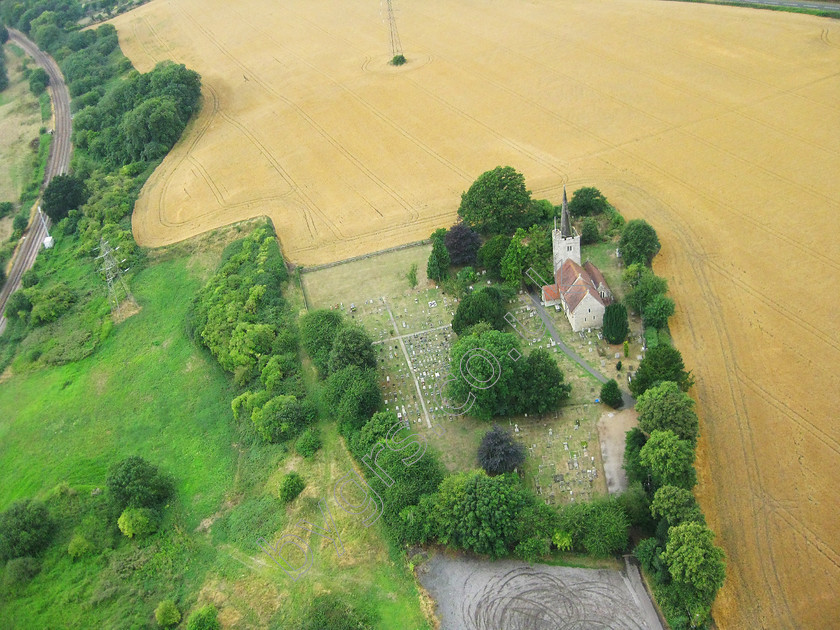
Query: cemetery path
410	366
626	398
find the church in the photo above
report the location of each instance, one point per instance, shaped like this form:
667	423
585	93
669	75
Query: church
580	291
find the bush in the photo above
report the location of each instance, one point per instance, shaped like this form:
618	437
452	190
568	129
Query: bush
29	278
329	611
20	222
166	614
134	482
589	232
611	394
79	546
600	528
291	486
19	571
137	522
6	208
38	81
308	443
205	618
51	304
317	330
25	529
398	60
282	418
18	306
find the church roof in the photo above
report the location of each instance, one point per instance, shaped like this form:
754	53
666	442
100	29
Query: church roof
572	283
595	274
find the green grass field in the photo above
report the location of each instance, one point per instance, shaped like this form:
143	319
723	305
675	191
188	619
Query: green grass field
149	390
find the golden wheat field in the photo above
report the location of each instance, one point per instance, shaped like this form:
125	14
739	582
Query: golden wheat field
719	125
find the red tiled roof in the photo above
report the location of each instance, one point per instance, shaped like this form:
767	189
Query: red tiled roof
573	282
595	274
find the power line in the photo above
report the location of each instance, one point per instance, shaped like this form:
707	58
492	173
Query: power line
112	268
396	46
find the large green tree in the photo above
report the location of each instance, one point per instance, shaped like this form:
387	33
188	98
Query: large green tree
587	201
662	363
486	304
666	406
25	529
497	202
657	311
352	346
283	417
438	266
669	459
491	253
611	394
528	249
639	243
63	194
543	386
134	482
676	505
318	329
697	569
643	285
616	325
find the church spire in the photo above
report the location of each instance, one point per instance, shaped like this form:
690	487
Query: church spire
565	225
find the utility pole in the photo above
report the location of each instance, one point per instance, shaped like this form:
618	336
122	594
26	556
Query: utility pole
113	274
396	46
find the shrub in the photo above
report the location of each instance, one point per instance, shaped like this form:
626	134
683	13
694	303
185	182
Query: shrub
19	571
308	443
532	549
137	522
18	306
205	618
51	304
6	208
29	278
25	529
398	60
79	546
166	614
589	232
134	482
291	486
611	394
329	611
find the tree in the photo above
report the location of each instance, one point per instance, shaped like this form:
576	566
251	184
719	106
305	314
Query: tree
20	222
657	311
669	459
51	304
589	232
587	201
134	482
484	374
354	396
352	346
491	253
38	81
137	522
486	304
542	384
611	394
291	486
19	571
411	276
499	452
634	440
462	243
662	363
665	406
676	505
166	614
205	618
25	529
697	568
63	194
616	325
479	513
644	286
497	202
639	243
438	266
282	417
599	527
317	331
18	305
527	249
29	278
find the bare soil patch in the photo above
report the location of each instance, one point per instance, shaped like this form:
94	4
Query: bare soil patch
681	113
612	429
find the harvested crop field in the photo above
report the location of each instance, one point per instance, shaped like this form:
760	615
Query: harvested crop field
719	125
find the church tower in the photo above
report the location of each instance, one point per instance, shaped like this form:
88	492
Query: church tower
565	241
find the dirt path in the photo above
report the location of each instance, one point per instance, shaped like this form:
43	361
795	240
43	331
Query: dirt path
612	428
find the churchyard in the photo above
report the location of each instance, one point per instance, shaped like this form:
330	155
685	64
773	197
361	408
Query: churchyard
411	330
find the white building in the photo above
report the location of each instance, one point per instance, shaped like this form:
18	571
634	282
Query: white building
581	291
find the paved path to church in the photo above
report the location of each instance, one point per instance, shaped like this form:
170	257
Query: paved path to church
626	398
